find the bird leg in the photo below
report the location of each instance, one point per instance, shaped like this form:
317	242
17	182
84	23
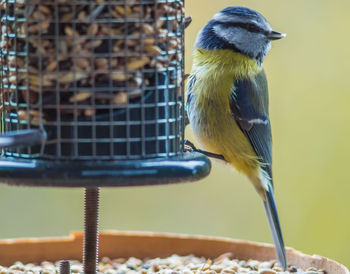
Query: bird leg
189	146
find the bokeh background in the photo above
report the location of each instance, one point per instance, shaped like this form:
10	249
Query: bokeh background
308	76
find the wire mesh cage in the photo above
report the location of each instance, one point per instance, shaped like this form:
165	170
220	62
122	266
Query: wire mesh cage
102	79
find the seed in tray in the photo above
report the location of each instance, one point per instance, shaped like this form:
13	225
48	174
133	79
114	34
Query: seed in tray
173	264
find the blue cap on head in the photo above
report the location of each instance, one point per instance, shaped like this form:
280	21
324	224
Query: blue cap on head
241	11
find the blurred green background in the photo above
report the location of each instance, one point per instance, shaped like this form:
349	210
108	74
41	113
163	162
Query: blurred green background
308	76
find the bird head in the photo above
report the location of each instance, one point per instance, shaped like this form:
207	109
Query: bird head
240	29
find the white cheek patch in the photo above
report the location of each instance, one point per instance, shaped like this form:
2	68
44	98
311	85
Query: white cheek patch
232	35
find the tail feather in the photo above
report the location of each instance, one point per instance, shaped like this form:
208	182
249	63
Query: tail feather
271	212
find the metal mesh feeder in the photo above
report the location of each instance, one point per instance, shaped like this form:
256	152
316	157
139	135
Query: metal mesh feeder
92	82
91	95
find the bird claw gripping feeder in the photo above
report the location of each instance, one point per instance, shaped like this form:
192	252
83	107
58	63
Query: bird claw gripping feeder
92	96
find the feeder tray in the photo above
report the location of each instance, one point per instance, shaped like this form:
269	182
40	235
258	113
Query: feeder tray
92	95
122	244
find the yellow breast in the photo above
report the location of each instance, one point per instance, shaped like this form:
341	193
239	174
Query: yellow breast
210	114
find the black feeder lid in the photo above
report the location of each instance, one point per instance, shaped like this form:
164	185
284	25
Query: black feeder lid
190	167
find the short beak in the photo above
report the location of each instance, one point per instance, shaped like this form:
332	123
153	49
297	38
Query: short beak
275	35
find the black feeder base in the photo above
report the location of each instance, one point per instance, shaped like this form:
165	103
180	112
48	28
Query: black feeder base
191	166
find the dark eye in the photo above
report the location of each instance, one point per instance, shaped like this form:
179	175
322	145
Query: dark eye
253	28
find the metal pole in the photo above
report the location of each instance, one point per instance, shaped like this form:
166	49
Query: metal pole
90	252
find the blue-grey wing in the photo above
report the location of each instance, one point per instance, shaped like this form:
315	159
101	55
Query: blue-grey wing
189	96
249	106
191	82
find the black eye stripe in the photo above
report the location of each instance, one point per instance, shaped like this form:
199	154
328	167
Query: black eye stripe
247	26
253	28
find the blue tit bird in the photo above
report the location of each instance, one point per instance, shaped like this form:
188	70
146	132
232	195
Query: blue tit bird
227	100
